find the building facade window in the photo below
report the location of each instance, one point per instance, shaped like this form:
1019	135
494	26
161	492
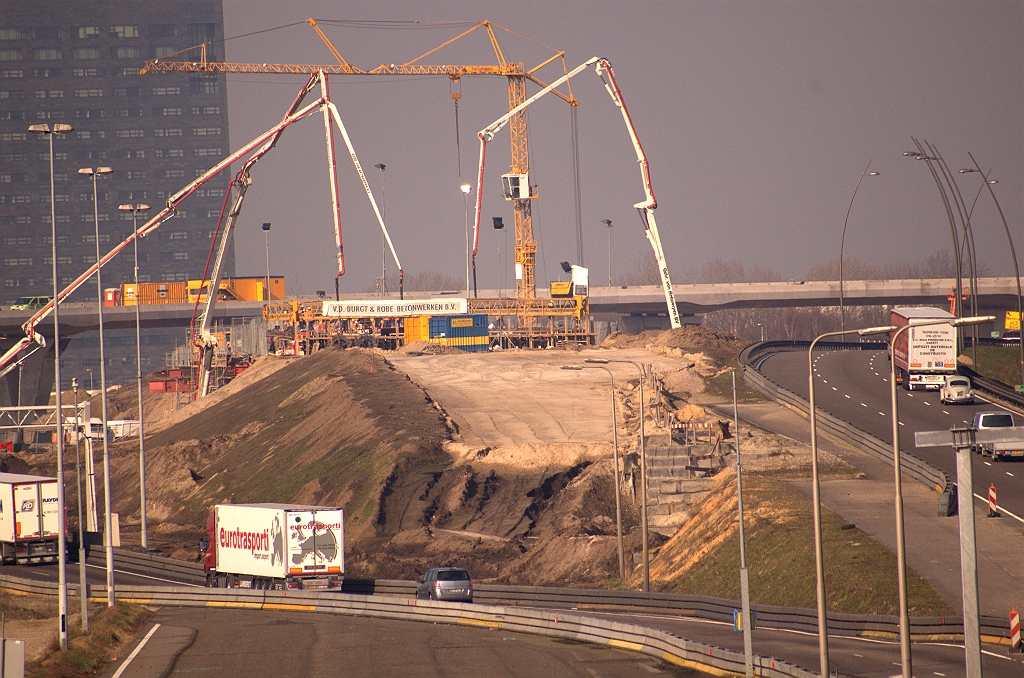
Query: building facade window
85	32
46	54
121	32
89	92
10	55
127	52
166	91
85	53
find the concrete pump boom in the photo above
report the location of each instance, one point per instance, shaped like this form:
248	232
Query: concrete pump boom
646	208
163	215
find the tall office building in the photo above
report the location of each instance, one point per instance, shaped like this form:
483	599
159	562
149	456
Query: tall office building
78	62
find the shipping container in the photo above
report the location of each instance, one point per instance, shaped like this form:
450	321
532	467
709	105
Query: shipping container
240	289
275	546
417	328
30	522
465	332
111	296
154	293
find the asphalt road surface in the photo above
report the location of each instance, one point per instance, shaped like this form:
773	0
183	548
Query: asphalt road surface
244	643
854	386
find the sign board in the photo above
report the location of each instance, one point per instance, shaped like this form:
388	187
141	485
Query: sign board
1012	320
1008	434
393	308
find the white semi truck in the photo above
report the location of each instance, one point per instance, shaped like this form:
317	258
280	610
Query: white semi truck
30	523
924	355
275	546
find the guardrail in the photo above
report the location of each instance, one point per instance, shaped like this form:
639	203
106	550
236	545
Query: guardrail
598	600
654	642
753	356
993	389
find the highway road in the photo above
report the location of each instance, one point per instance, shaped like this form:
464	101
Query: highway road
854	386
243	643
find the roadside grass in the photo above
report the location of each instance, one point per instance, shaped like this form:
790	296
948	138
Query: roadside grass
721	385
1001	363
109	633
860	573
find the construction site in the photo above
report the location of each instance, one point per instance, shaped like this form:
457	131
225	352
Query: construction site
533	316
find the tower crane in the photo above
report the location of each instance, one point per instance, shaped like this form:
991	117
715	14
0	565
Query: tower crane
517	75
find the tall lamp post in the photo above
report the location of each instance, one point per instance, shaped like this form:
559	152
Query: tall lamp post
383	240
819	567
842	242
901	549
62	567
1013	253
135	209
615	474
608	223
643	470
108	522
466	188
266	245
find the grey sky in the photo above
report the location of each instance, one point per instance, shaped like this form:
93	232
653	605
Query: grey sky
757	118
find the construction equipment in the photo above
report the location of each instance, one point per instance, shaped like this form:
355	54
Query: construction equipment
258	147
525	246
514	184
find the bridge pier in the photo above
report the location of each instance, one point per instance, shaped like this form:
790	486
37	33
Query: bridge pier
35	374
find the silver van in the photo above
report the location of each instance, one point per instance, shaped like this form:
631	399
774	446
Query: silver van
446	583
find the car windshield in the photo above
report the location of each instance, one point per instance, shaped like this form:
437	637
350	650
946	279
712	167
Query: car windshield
997	420
959	382
452	575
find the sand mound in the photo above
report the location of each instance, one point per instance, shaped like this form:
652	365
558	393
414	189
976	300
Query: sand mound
689	337
427	348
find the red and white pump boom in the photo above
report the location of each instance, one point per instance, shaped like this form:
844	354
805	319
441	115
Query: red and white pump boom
645	208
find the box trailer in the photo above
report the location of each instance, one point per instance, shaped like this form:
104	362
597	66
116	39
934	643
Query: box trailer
925	355
275	546
30	523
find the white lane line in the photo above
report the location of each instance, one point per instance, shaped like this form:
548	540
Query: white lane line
138	648
987	463
146	576
984	501
824	381
863	405
902	424
847	396
1009	474
927	403
882	413
834	388
945	412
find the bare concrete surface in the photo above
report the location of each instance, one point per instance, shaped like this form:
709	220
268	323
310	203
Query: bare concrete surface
157	656
524	398
932	542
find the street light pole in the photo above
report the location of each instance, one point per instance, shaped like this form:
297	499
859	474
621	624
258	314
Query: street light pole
83	585
135	209
608	223
615	474
988	183
842	242
466	188
901	548
383	240
108	521
62	560
748	643
819	567
643	471
266	244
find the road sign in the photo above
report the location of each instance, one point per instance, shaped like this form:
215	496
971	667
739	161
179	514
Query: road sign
1012	320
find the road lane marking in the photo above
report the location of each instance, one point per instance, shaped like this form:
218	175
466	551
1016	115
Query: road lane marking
146	576
847	396
863	405
902	424
945	412
1009	474
988	463
984	500
927	403
834	388
135	652
882	413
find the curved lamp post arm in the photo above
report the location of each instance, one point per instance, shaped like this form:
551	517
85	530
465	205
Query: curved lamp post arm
842	243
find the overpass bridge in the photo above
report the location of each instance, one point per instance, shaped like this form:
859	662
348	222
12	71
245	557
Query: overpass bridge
634	308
